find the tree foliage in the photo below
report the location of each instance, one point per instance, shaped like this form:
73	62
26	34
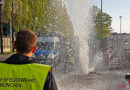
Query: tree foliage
26	13
60	21
106	22
44	16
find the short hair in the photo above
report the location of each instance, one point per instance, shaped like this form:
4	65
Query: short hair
25	41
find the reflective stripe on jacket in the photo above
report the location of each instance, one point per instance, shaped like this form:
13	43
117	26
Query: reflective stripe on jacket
23	77
71	60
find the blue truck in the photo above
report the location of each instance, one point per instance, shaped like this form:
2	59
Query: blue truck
47	51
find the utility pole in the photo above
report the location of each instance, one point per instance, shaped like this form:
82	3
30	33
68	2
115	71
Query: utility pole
11	28
1	31
120	23
102	44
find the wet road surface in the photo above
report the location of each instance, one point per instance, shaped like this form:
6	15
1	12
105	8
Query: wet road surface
110	80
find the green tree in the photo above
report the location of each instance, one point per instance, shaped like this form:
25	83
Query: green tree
30	14
60	21
106	21
44	16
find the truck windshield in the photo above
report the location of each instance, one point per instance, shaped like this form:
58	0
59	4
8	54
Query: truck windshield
45	46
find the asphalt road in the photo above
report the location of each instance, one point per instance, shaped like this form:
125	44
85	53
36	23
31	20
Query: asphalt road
111	80
103	79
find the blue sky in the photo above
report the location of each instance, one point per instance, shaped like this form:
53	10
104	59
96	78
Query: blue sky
116	8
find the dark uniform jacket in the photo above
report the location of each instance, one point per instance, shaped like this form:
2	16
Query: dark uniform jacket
50	83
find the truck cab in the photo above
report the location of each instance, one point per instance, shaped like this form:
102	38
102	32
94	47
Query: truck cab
48	50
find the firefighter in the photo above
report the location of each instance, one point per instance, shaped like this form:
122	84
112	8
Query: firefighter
72	60
69	60
18	72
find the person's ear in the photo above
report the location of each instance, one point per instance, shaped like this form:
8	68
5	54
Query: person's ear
14	46
34	49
